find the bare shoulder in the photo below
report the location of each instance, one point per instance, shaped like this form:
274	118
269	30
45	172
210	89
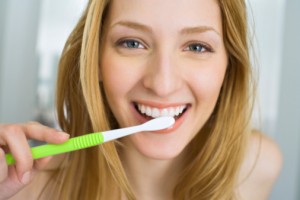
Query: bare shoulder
260	169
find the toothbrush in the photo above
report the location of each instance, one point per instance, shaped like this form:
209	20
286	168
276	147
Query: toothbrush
94	139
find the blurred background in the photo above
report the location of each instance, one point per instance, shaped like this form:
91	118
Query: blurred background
33	32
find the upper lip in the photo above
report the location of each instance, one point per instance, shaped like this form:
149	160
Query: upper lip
159	104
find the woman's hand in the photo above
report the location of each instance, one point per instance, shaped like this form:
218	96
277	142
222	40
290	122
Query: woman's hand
13	139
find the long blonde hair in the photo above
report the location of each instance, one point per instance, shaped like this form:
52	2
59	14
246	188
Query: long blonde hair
97	173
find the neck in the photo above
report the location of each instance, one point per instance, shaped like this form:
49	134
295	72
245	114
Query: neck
151	178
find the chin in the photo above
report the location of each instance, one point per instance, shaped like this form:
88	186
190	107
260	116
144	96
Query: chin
155	147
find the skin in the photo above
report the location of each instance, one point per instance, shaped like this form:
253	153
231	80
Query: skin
151	61
164	70
14	137
160	70
260	169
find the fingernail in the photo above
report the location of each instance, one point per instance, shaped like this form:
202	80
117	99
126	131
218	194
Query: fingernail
64	133
26	177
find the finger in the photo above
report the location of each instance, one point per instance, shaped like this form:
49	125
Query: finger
43	133
11	184
19	147
3	166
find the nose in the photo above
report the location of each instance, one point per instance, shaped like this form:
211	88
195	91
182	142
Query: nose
162	75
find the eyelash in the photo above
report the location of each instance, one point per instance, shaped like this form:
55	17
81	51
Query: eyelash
203	48
127	43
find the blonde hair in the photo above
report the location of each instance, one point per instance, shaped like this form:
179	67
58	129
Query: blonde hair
97	173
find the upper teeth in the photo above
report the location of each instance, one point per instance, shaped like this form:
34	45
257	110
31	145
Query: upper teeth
157	112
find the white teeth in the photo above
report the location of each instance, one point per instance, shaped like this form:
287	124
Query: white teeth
171	112
156	112
164	112
148	111
143	109
177	111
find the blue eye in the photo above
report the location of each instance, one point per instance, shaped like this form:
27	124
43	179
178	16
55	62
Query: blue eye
198	48
132	44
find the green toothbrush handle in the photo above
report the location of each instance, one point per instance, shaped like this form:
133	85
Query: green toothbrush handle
73	144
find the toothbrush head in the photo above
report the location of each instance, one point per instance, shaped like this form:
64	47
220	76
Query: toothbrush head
158	123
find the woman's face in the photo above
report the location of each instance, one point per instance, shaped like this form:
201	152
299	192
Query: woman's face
163	58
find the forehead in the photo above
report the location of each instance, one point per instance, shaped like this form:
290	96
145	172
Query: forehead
167	14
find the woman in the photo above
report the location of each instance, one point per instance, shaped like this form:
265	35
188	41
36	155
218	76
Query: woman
127	62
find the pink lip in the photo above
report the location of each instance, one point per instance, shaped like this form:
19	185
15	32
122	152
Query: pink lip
178	121
160	105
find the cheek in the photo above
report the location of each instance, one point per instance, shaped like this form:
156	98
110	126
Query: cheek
118	79
207	84
206	89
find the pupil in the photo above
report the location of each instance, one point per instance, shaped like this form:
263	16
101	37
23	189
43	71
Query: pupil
196	48
132	44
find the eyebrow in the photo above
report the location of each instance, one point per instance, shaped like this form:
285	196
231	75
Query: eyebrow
198	29
133	25
144	28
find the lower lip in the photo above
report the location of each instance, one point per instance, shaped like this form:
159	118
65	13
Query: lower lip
177	123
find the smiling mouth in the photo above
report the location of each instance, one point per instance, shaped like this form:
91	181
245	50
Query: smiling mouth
153	112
